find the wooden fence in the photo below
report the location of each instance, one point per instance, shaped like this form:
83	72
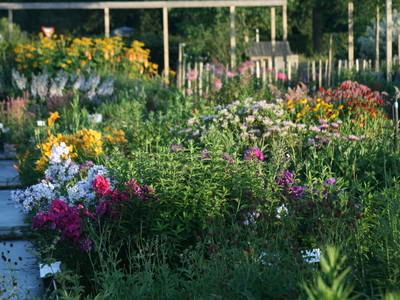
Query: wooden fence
201	78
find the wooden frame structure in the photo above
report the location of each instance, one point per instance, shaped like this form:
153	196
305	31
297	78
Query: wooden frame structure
164	5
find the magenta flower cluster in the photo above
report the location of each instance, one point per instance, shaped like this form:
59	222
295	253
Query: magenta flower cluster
254	154
286	180
68	220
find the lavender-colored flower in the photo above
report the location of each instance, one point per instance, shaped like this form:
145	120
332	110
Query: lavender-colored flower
330	181
285	178
335	125
297	192
254	153
353	138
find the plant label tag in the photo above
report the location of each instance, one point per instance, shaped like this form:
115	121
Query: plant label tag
51	269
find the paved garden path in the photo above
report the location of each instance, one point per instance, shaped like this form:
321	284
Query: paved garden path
19	269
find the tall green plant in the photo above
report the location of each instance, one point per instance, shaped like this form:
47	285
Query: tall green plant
331	284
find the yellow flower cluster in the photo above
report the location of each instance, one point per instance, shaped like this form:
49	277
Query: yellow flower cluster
304	109
76	54
115	136
86	143
47	145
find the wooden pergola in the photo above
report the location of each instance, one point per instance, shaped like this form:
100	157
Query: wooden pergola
164	5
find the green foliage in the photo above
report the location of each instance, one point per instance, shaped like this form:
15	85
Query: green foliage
331	284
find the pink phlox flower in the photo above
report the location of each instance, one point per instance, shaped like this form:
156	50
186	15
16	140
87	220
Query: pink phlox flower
282	76
101	186
217	83
254	153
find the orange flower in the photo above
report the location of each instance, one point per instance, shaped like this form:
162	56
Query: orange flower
53	116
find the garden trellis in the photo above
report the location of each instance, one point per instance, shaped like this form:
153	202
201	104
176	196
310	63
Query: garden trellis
164	5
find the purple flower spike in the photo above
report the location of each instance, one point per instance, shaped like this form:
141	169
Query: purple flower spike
254	153
330	181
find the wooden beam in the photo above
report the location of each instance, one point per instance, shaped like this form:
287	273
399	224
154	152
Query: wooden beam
257	35
232	36
166	45
351	35
389	40
107	22
284	22
140	4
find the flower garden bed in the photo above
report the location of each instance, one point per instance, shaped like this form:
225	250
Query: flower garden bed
237	195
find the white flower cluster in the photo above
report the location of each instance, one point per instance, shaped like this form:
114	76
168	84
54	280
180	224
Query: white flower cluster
42	86
251	119
38	195
82	190
61	172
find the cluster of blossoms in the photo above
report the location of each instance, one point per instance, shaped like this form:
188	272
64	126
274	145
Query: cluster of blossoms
62	201
252	153
67	220
85	141
327	131
286	180
250	120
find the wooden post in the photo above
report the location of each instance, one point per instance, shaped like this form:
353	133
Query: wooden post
107	22
270	69
351	35
201	67
232	36
180	65
166	45
398	50
320	73
284	22
389	42
377	40
257	35
330	61
273	28
313	72
10	24
339	68
289	71
357	65
189	82
258	69
308	71
208	79
264	71
326	74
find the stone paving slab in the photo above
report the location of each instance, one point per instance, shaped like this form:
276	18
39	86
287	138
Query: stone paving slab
11	218
8	174
19	271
